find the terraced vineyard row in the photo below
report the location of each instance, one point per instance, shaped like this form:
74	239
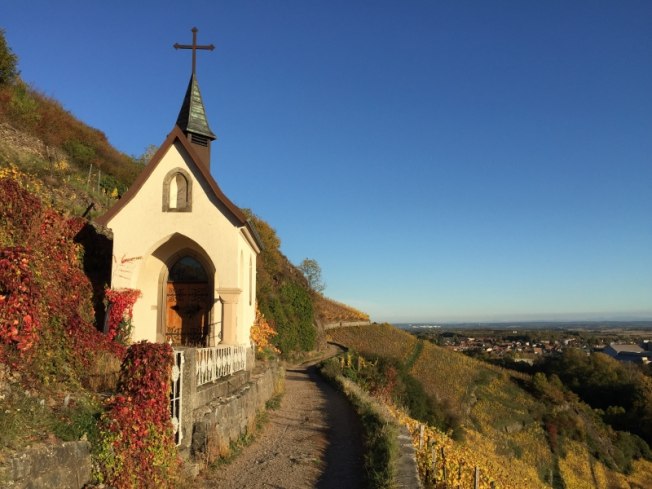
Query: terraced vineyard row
445	463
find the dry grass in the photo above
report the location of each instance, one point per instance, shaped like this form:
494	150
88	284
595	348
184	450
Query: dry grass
103	375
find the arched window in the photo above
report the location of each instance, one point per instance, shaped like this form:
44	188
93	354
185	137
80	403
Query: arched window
177	191
187	269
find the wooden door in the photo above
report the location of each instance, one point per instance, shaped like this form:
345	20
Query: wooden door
187	307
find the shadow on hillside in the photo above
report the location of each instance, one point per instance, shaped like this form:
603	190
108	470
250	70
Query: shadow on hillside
98	250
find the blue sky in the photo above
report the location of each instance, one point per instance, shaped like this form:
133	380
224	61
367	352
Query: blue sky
442	161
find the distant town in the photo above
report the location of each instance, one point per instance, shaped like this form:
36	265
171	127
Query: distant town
528	342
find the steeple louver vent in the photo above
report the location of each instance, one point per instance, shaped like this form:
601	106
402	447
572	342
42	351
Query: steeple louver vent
200	139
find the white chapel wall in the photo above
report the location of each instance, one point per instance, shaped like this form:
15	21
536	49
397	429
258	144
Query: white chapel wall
141	225
247	307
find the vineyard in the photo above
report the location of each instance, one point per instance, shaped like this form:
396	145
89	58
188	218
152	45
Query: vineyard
509	437
445	463
376	340
330	311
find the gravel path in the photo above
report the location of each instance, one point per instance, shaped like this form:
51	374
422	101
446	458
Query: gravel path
312	440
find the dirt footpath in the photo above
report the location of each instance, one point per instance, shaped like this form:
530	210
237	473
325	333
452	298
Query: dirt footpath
313	440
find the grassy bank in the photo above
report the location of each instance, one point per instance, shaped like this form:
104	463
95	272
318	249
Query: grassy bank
380	430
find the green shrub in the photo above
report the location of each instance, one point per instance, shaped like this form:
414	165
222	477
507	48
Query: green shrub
80	152
630	448
284	296
292	314
23	107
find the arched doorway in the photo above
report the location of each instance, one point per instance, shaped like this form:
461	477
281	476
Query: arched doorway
188	301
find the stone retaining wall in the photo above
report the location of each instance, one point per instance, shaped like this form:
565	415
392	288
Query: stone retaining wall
64	465
346	324
226	411
215	415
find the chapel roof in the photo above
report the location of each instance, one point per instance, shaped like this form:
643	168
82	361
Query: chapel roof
192	116
178	137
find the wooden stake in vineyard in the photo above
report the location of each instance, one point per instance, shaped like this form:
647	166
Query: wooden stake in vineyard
443	462
88	180
433	455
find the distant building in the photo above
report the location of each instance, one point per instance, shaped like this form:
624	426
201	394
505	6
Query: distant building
628	353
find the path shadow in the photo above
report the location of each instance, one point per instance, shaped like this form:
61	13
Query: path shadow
344	453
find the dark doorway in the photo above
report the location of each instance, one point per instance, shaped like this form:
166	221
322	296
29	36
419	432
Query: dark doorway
188	300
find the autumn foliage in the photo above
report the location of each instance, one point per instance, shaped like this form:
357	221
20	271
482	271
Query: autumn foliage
17	327
43	289
47	333
121	310
261	333
137	442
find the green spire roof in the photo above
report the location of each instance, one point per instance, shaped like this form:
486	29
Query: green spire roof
192	116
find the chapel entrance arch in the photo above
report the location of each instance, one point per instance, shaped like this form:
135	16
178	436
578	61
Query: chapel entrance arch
188	302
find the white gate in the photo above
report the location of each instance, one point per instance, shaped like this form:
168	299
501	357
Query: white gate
175	395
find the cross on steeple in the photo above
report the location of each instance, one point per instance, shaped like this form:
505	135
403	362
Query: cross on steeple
194	47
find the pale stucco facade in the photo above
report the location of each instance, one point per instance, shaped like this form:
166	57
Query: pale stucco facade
175	209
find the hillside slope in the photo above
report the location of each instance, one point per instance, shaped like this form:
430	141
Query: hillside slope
331	311
506	420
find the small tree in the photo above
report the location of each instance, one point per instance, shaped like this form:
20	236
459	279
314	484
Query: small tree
8	61
147	155
312	271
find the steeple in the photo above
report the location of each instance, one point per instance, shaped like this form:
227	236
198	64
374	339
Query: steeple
192	116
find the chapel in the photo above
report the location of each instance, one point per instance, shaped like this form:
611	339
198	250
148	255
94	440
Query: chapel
182	243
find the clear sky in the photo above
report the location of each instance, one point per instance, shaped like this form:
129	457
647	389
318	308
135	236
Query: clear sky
441	160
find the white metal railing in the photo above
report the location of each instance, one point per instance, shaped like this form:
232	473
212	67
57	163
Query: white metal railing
219	361
175	395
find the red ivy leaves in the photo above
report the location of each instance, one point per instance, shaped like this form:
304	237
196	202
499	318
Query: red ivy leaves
19	325
120	312
138	420
145	373
42	283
